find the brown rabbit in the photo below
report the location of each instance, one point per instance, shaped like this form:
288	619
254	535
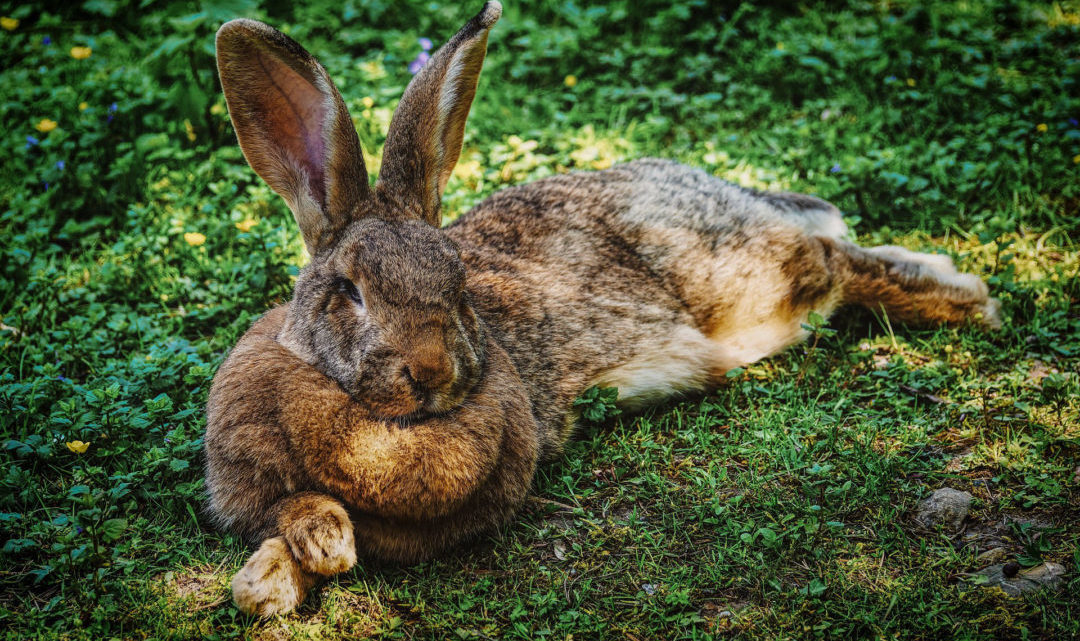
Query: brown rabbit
400	402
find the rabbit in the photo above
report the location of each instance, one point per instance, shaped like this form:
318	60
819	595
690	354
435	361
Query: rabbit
400	403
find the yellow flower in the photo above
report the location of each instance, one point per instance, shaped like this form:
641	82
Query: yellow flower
194	238
368	102
779	46
81	53
911	82
83	106
45	126
217	109
9	24
468	170
570	81
189	129
78	447
1041	127
373	69
1076	159
246	224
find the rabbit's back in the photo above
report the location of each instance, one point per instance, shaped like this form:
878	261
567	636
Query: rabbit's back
651	276
667	194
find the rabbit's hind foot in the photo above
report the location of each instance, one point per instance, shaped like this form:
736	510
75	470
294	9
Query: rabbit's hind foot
271	582
916	288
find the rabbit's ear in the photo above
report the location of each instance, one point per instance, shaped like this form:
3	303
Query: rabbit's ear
425	135
293	127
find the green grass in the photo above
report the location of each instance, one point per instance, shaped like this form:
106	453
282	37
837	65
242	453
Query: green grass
778	506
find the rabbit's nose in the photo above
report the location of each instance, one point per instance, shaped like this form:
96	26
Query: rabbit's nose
430	371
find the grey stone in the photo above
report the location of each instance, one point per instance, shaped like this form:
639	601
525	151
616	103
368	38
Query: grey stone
560	550
946	508
1045	576
993	555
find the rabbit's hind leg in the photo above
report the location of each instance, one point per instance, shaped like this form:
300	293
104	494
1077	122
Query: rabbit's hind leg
915	288
316	540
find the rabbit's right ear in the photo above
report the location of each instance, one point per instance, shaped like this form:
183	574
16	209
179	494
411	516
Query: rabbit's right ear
293	127
428	128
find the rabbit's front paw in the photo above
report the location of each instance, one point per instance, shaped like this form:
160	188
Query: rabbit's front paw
322	540
271	582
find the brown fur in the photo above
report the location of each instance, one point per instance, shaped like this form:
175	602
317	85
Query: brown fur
400	403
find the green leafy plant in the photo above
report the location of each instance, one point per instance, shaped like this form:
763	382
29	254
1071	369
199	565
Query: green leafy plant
597	404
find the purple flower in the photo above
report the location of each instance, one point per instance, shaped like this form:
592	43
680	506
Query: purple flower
46	40
891	79
112	108
32	142
1074	122
418	63
425	44
62	378
109	119
835	169
46	186
60	165
78	530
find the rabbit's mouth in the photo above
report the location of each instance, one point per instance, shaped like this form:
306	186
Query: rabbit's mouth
422	406
405	401
437	403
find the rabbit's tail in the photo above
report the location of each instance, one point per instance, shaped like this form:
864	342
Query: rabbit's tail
813	215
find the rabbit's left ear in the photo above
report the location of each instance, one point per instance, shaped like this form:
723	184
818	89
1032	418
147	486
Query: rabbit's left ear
427	129
293	127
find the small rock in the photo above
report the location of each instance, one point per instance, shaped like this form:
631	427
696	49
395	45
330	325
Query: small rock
560	550
945	507
991	556
1047	575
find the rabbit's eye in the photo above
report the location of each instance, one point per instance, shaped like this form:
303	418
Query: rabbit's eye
346	286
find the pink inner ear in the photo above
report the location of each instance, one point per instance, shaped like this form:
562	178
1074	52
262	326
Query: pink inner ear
294	114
